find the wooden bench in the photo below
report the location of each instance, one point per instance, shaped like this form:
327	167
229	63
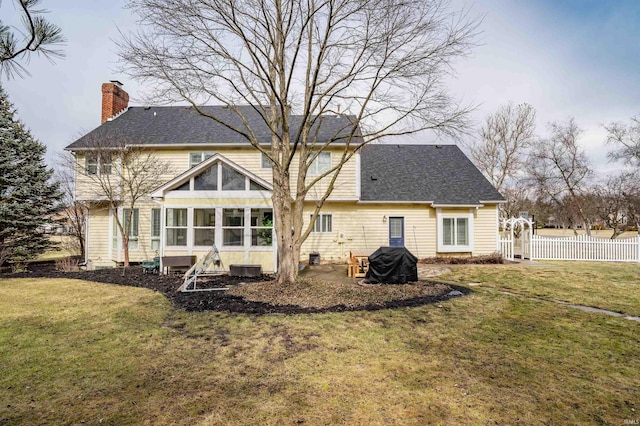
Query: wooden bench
182	262
358	265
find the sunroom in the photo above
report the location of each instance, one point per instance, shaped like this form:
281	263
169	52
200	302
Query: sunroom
218	202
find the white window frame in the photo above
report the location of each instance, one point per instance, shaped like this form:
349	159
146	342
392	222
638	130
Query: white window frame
261	227
251	187
154	236
95	164
323	221
170	227
134	235
195	228
235	227
320	164
455	248
203	156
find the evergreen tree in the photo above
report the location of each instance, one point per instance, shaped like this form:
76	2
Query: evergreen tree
27	197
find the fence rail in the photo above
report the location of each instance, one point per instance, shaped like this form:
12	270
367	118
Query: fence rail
583	247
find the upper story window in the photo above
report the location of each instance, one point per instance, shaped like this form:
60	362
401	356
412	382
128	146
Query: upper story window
198	157
265	163
98	164
321	164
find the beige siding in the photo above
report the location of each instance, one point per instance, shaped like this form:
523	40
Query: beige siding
485	230
98	237
364	230
247	158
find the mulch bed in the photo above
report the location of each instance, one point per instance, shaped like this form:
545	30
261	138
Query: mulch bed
216	300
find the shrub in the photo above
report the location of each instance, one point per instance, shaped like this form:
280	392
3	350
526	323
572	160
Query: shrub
68	264
489	259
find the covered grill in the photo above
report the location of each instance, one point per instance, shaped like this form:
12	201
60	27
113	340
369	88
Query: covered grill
392	265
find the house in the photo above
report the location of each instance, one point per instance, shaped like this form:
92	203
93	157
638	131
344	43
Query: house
429	198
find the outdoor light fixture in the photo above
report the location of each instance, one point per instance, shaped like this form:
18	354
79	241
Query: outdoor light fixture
384	219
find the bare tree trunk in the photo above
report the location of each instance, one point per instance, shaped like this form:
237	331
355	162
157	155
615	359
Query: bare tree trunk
283	223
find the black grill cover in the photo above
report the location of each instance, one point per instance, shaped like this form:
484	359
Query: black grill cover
392	265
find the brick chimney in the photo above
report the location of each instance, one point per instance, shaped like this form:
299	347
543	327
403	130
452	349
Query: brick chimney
114	99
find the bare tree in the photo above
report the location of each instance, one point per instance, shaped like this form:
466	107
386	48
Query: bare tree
75	212
382	62
38	35
560	170
119	174
518	199
626	139
504	140
614	201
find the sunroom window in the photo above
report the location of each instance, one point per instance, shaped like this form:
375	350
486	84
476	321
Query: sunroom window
207	180
233	227
204	223
176	227
232	180
261	227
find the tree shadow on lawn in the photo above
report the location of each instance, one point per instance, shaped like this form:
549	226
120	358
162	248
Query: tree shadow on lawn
222	300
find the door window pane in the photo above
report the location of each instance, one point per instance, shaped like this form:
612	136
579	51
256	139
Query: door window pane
395	227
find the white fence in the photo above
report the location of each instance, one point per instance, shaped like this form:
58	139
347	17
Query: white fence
506	247
583	247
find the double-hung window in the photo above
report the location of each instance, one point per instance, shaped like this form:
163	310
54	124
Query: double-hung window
133	228
198	157
204	227
176	224
321	164
156	223
265	163
323	223
98	164
456	233
261	227
233	227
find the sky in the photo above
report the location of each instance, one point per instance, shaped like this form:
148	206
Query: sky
573	58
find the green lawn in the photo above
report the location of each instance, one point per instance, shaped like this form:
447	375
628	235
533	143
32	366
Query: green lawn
607	285
73	351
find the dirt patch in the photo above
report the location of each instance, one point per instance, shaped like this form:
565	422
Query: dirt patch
260	295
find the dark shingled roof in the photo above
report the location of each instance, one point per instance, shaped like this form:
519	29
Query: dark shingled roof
169	125
441	174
